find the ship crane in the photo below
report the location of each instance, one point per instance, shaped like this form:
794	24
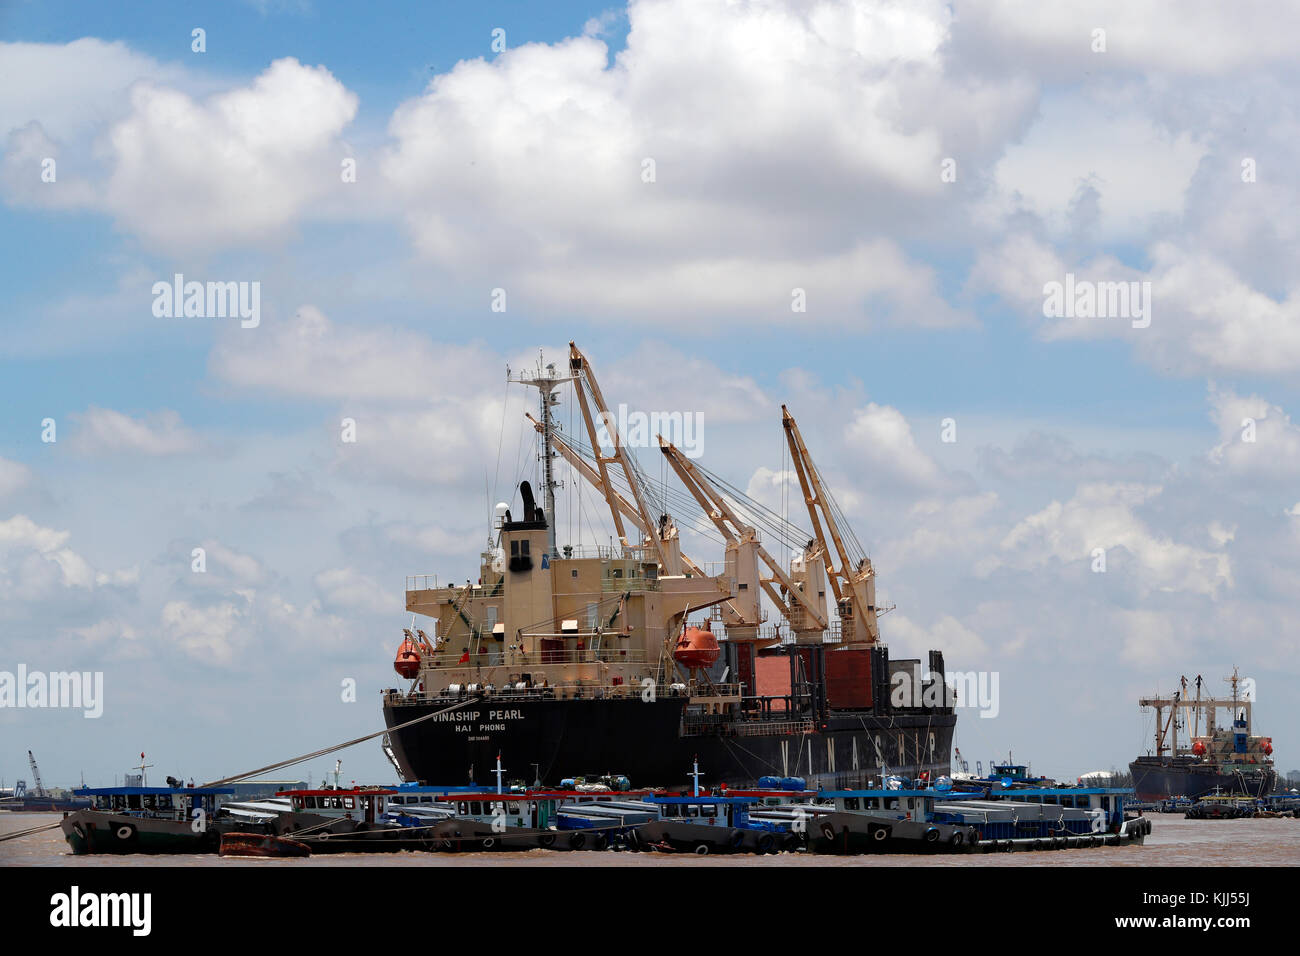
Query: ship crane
803	613
580	370
853	582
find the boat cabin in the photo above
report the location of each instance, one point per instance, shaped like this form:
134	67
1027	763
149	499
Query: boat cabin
173	803
898	804
364	804
704	810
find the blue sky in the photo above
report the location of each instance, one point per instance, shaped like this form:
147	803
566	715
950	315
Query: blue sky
796	145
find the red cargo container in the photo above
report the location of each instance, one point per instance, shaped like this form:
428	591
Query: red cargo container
848	679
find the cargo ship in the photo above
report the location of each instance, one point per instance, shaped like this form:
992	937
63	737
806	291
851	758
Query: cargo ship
1217	757
631	658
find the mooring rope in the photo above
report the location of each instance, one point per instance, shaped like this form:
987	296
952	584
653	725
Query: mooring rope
329	750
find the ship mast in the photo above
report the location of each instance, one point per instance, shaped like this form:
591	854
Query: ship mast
546	380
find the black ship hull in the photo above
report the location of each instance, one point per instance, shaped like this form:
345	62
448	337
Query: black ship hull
547	739
1156	778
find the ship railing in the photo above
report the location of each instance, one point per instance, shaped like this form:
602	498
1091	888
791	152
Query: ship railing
563	690
450	660
429	582
615	552
633	582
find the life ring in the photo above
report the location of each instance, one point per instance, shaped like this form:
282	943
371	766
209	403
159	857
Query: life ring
879	834
325	836
546	840
447	845
125	832
76	828
932	835
702	849
766	843
828	831
488	843
577	841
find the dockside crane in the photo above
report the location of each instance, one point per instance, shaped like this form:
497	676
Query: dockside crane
36	776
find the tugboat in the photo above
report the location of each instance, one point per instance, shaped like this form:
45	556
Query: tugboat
1227	759
704	823
145	820
630	657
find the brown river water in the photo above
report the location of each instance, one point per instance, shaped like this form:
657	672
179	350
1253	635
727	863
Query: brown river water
1174	841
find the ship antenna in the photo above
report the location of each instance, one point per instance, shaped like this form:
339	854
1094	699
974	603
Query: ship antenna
546	380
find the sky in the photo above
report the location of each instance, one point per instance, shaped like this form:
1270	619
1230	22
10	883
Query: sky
858	209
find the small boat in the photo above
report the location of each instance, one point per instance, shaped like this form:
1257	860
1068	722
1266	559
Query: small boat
261	845
708	823
146	820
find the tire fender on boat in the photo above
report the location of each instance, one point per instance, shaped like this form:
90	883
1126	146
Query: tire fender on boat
125	832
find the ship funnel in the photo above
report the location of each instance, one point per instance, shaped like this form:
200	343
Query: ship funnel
530	505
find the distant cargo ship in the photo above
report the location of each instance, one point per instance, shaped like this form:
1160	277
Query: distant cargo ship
630	658
1222	759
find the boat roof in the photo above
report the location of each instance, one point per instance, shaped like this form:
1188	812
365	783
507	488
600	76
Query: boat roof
1032	792
149	791
358	792
702	798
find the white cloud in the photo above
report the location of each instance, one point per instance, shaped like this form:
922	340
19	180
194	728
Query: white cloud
14	476
105	431
238	167
209	634
881	437
1104	515
347	588
521	163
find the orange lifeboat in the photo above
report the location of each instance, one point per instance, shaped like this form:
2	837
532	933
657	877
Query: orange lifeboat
697	647
1198	748
407	662
1268	746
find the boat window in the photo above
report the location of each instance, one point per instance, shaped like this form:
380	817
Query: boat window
709	810
462	807
476	808
873	803
133	801
670	809
692	810
891	803
850	803
348	803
